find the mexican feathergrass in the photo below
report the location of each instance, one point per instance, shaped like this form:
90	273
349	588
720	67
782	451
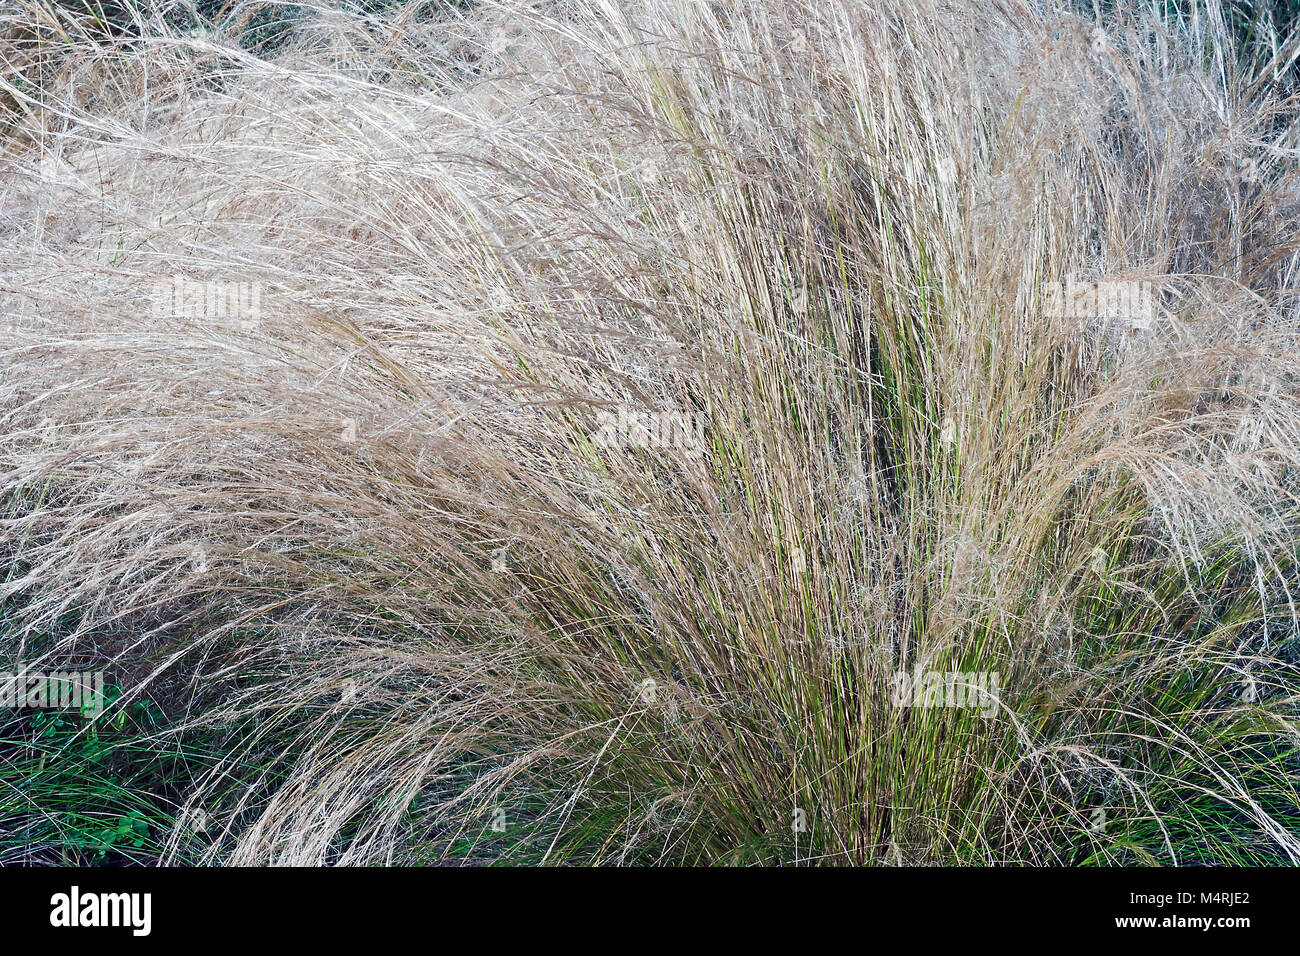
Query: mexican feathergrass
398	590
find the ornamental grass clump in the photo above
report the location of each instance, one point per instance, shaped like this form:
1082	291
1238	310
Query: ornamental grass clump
660	433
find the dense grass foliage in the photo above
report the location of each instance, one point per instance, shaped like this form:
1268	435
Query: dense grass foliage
590	410
271	20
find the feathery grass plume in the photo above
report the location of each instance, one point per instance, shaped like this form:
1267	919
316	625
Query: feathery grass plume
581	432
